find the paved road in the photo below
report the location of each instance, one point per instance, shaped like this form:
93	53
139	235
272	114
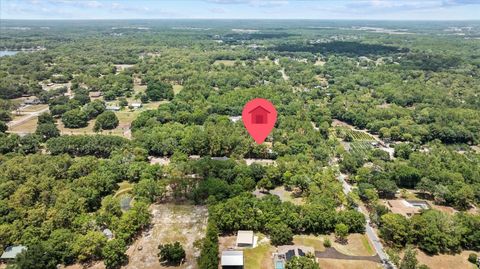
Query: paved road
369	231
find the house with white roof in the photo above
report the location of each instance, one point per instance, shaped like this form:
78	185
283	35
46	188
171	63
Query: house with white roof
11	252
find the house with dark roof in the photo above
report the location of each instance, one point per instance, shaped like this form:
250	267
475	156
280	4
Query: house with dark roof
287	252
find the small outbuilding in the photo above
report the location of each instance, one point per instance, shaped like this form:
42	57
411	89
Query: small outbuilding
232	259
245	239
136	105
95	94
11	252
113	108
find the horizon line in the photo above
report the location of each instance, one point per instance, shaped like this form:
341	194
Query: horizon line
239	19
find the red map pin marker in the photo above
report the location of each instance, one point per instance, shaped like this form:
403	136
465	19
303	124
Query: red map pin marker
259	117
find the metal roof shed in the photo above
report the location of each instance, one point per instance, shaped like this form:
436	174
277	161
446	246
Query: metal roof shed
232	259
245	239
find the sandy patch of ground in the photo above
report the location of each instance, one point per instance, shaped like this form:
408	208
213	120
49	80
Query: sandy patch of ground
170	223
458	261
346	264
319	63
159	160
283	194
227	242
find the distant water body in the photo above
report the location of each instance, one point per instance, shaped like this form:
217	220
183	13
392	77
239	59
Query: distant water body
8	52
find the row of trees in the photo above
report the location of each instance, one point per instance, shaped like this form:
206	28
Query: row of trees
440	174
433	231
282	220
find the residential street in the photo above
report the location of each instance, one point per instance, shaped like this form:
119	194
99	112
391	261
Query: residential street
369	231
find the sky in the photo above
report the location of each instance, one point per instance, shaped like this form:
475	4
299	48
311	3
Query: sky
242	9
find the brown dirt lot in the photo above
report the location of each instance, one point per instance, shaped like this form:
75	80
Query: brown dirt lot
28	126
170	223
458	261
346	264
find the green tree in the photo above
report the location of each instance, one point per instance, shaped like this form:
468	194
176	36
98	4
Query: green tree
45	118
47	131
95	108
171	253
89	246
280	234
394	229
409	260
158	90
106	121
149	189
35	257
75	119
114	253
265	184
209	251
304	262
341	232
3	127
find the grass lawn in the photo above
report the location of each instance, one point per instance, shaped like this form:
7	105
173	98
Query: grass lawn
124	187
358	245
177	88
259	257
28	126
309	241
443	261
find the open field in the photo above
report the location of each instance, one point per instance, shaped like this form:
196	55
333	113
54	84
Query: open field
458	261
358	245
346	264
170	223
28	126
